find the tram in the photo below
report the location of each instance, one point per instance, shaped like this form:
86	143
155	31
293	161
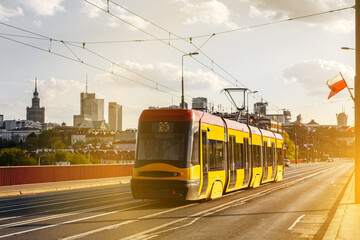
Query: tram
193	155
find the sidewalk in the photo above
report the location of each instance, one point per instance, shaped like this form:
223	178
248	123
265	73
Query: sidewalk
346	221
25	189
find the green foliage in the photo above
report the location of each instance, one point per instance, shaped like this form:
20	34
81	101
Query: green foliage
15	157
290	152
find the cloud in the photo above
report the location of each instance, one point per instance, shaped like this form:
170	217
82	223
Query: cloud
45	7
342	21
37	23
56	89
312	75
112	22
209	12
164	73
6	13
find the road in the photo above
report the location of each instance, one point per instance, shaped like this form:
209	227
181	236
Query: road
300	206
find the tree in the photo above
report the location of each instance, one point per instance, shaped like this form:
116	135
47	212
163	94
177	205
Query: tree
290	152
15	157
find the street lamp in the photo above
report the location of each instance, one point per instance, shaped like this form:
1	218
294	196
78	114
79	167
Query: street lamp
247	103
182	77
39	159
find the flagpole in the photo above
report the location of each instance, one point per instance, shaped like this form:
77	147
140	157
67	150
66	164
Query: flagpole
357	101
352	97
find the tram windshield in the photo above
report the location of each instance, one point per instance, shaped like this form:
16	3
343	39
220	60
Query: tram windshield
159	146
164	142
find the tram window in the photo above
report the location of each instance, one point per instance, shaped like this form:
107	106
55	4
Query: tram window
232	151
246	154
212	153
256	153
216	152
220	155
279	156
195	153
238	156
265	153
271	155
161	147
205	153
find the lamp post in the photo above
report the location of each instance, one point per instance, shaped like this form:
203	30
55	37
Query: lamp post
247	103
39	159
182	77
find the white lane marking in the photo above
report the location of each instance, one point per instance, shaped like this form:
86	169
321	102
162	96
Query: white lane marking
35	202
60	209
40	219
81	235
72	221
221	207
231	202
296	222
57	203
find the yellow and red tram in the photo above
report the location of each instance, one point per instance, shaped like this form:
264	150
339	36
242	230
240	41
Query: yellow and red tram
194	155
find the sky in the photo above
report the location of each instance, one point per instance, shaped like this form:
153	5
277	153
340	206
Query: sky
133	55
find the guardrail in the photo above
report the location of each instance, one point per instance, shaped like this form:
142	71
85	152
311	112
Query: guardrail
41	174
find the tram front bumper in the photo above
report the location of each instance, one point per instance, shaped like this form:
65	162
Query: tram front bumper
162	189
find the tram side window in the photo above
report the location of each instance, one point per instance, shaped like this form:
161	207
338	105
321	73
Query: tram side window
239	156
232	152
195	153
256	153
246	153
271	155
279	156
205	152
216	151
265	153
220	155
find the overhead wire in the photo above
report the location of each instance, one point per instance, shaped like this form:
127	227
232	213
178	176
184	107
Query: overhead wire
43	37
189	40
151	35
87	64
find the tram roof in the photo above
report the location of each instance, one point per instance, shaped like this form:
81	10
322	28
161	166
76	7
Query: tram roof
236	125
267	133
170	115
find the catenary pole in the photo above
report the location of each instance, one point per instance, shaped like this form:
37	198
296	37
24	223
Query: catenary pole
357	102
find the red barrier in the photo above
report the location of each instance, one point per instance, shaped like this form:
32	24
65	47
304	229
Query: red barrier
41	174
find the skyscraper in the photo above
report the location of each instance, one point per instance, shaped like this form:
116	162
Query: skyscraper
115	116
35	112
91	109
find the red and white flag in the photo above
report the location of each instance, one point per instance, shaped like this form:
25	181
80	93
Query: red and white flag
336	84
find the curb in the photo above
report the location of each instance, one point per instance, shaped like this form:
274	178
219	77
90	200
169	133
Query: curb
334	227
54	189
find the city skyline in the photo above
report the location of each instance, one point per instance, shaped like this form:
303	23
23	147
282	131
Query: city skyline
287	63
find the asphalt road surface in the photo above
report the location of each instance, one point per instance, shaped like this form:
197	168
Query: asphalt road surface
299	207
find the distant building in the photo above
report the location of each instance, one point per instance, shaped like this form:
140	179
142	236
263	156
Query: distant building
260	108
17	134
199	103
91	110
91	107
115	116
312	124
35	112
341	119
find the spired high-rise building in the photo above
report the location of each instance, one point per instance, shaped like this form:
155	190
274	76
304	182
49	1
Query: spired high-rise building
115	116
91	109
35	112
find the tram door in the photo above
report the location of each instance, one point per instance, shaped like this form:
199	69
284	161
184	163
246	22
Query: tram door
246	162
232	164
205	162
